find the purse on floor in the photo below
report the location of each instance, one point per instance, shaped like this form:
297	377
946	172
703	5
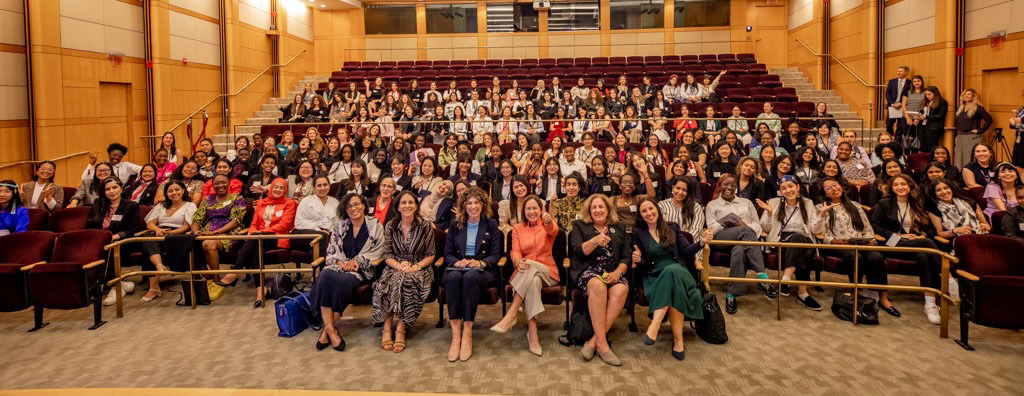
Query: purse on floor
295	313
202	292
711	329
867	308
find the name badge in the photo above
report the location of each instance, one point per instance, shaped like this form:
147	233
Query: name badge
860	166
115	218
991	174
579	216
654	183
279	213
398	187
717	174
246	173
893	240
606	188
632	208
371	209
1021	226
472	182
4	232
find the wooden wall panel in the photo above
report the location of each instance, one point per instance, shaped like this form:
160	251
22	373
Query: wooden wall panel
852	43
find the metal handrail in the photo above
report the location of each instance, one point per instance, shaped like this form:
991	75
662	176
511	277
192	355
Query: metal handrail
41	161
239	91
841	63
524	46
943	292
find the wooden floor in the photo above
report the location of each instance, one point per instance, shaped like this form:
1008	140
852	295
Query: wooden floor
191	392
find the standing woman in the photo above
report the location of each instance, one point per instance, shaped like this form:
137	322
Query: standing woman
274	214
781	219
117	215
405	283
471	252
535	268
599	262
971	121
901	219
13	216
667	255
168	142
933	117
356	243
1000	193
566	210
173	216
42	192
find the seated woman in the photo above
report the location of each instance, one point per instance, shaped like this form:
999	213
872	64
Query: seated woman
511	209
223	167
535	268
434	206
188	174
783	225
471	252
855	171
566	210
723	162
669	286
42	192
356	243
300	185
316	214
600	180
953	213
549	185
218	214
733	218
940	155
173	216
600	255
427	179
382	206
890	169
999	193
274	214
901	219
13	216
846	223
143	189
464	170
405	283
89	191
981	170
260	179
748	185
626	204
120	217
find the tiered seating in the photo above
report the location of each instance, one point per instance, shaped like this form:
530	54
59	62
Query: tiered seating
72	275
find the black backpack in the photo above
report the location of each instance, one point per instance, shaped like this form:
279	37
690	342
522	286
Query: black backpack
867	308
711	329
580	329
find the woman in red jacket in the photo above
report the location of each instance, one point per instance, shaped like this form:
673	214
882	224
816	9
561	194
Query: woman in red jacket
274	214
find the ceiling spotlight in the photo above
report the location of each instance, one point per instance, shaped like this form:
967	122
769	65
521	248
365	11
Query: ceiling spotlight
323	5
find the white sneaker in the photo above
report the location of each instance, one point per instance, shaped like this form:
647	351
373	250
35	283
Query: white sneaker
954	289
111	298
128	287
932	311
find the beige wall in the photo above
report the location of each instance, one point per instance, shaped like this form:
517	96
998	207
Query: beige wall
14	133
852	41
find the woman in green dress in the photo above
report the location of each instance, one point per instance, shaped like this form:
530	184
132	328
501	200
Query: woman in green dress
665	256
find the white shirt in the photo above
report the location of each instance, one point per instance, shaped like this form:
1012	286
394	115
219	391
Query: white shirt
575	166
178	219
587	155
122	171
314	214
742	207
339	171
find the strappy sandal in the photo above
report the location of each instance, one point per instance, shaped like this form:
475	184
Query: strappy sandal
387	344
399	345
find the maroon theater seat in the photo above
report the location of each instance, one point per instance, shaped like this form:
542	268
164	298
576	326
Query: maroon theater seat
16	251
73	277
68	219
991	278
37	219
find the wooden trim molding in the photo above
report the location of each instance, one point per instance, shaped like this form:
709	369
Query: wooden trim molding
985	41
192	14
13	123
923	48
891	2
12	48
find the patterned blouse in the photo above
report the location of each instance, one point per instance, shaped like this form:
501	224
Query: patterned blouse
566	210
695	227
856	170
839	224
213	214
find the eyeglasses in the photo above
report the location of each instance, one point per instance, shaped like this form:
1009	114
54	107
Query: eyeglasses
354	205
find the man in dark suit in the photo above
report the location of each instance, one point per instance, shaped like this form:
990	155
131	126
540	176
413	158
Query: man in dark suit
895	90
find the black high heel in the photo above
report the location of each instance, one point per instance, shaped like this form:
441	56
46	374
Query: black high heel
322	345
259	302
222	284
341	345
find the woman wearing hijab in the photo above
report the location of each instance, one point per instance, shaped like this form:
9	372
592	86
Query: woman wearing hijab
274	214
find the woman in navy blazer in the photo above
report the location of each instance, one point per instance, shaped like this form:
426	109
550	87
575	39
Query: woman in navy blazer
119	216
471	252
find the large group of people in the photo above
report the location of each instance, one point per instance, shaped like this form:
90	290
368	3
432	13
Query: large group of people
379	192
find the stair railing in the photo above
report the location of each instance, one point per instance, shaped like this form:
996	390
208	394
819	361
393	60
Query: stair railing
871	105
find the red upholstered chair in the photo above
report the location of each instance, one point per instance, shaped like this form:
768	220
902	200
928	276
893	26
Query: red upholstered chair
16	251
761	94
785	94
706	190
757	68
737	95
599	61
918	161
511	62
997	220
671	59
636	60
37	219
746	58
991	278
803	109
493	63
978	195
73	277
736	68
617	61
69	219
653	60
768	80
68	192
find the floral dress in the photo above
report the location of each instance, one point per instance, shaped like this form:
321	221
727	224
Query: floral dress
566	210
213	214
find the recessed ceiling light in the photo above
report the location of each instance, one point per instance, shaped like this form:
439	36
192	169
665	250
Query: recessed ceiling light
323	5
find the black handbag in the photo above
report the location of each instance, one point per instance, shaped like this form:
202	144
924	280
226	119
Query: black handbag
202	292
867	308
580	330
280	285
711	329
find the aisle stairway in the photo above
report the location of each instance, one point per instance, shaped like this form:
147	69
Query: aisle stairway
269	113
793	77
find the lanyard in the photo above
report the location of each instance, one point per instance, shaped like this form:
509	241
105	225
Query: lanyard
902	216
788	218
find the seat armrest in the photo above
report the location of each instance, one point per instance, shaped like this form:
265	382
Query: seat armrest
502	261
318	262
565	263
438	262
941	239
29	267
967	275
93	264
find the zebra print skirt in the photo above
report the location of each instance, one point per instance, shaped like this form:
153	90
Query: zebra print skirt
402	294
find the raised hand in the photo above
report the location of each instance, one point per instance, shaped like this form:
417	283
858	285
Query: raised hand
546	218
763	205
637	256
